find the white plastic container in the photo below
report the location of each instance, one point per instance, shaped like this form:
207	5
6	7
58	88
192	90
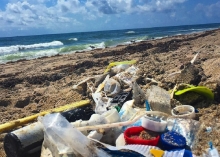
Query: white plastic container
154	124
184	111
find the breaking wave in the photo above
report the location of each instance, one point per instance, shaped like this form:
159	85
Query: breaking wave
16	48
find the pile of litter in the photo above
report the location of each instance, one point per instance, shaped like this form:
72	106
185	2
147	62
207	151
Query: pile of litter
121	119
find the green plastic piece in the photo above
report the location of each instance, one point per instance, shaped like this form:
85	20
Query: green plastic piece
199	89
118	108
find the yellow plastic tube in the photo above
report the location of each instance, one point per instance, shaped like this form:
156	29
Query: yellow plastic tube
13	124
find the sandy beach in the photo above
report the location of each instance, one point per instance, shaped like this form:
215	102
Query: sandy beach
31	86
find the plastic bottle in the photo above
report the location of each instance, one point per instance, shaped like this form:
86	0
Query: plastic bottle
27	141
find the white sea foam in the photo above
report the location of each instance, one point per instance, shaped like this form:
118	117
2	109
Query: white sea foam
74	39
130	32
15	48
27	55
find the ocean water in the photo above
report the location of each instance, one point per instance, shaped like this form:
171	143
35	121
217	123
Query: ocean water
30	47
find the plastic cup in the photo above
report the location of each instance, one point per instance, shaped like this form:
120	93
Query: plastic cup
184	111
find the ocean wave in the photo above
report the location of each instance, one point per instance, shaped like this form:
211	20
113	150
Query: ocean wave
27	55
83	47
16	48
74	39
130	32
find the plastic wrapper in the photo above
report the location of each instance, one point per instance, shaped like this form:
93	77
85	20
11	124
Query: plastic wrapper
112	87
102	103
128	75
186	127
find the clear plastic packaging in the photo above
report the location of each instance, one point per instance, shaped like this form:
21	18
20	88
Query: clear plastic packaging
112	87
186	127
67	139
102	103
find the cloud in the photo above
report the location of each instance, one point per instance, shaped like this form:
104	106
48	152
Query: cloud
22	13
54	14
212	10
132	6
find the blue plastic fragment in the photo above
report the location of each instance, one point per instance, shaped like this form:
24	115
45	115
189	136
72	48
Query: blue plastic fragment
147	105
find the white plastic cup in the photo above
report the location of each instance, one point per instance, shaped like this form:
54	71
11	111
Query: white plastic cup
184	111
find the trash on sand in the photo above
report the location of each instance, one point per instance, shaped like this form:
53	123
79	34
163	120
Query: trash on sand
13	124
154	123
138	95
172	153
121	119
102	103
209	129
184	111
62	138
159	99
172	140
131	121
139	135
101	86
112	87
188	128
119	63
211	151
127	110
28	139
121	98
128	76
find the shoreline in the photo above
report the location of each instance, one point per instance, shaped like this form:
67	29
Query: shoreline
94	47
31	86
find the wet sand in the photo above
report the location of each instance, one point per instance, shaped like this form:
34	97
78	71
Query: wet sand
31	86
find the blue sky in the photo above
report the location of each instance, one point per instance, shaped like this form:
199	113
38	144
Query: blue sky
30	17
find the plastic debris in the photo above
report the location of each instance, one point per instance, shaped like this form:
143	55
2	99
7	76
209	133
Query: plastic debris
112	87
172	140
154	123
119	63
188	128
139	123
138	95
197	89
184	111
63	138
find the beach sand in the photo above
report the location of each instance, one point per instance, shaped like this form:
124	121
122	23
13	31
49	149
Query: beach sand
31	86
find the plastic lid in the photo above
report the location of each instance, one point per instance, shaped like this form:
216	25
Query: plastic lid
135	131
172	140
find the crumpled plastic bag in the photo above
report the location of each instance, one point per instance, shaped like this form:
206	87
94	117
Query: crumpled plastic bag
65	139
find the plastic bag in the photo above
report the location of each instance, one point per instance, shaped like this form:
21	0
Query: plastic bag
128	75
112	87
102	103
67	139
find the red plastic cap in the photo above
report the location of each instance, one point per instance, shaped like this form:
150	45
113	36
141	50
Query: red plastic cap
135	131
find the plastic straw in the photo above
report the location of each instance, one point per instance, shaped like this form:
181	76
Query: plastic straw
120	124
